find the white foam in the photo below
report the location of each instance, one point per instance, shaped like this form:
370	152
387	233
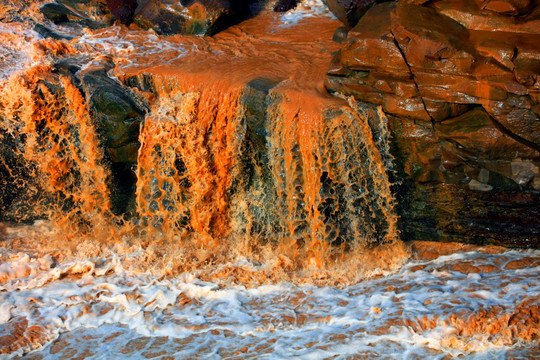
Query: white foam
303	320
305	9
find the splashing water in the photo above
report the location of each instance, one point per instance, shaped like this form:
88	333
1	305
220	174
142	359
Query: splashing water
455	305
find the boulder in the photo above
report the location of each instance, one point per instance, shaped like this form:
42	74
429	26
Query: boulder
349	11
285	5
92	14
118	112
196	17
123	10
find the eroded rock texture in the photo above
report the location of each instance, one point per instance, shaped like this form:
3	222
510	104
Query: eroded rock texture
461	82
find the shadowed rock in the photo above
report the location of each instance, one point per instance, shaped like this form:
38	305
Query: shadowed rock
350	11
199	17
123	10
461	79
285	5
76	13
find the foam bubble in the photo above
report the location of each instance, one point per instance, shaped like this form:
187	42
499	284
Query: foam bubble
420	311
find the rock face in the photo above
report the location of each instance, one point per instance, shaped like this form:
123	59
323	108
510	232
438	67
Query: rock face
123	10
350	11
285	5
93	14
199	17
461	82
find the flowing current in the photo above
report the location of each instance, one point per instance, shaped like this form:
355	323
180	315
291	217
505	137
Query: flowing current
242	212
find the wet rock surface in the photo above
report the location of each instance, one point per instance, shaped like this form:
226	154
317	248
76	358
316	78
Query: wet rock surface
123	10
200	17
93	14
350	11
285	5
460	80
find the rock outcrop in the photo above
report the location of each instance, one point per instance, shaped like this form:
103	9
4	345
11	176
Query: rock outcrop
93	14
350	11
199	17
285	5
460	80
123	10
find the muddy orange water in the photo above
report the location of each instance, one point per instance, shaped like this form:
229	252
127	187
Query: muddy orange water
241	141
261	223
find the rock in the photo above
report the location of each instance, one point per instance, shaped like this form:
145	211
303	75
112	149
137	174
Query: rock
15	175
479	186
57	13
517	116
285	5
372	45
416	62
371	67
470	15
48	33
119	114
340	35
123	10
508	7
349	11
479	140
460	177
92	14
199	17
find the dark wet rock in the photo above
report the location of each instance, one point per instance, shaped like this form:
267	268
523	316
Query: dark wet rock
253	193
460	79
119	114
350	11
285	5
15	174
340	35
123	10
199	17
92	14
466	181
57	13
48	33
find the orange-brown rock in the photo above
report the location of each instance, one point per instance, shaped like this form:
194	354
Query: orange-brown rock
439	59
461	79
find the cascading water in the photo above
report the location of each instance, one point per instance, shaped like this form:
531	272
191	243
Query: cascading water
206	197
224	153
